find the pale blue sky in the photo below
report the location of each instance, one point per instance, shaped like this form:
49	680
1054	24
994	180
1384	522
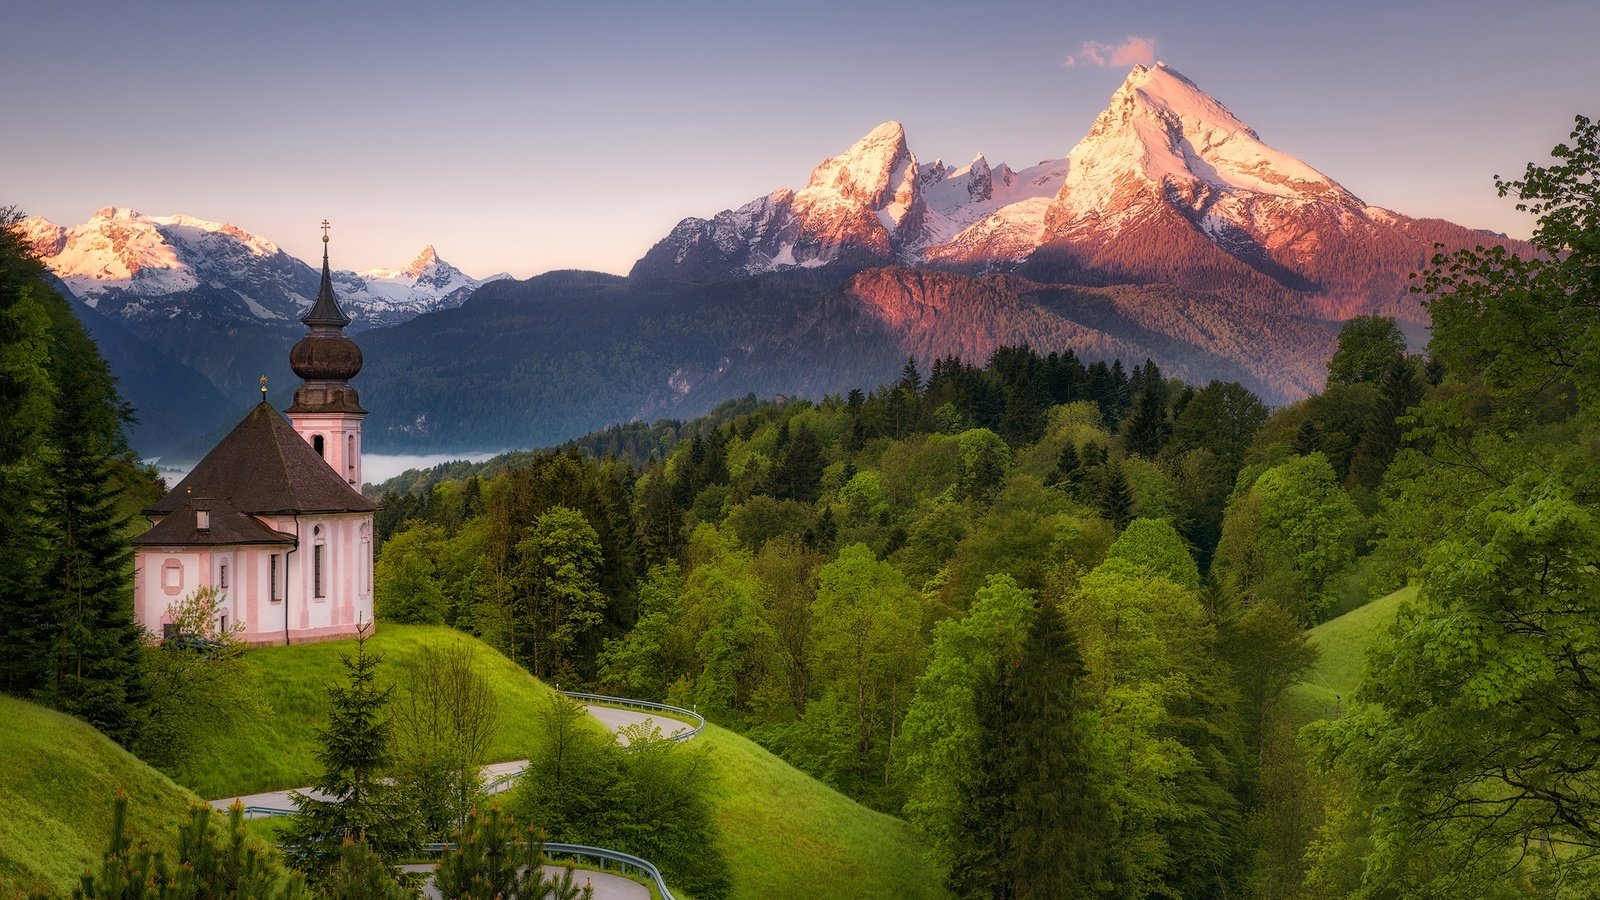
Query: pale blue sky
530	136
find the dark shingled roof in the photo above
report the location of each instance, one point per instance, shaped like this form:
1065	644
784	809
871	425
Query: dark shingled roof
325	310
264	468
228	526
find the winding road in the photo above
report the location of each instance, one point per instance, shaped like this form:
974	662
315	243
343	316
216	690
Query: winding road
500	777
494	774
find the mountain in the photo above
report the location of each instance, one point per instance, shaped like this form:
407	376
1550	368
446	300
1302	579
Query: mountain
1167	187
137	267
194	312
873	203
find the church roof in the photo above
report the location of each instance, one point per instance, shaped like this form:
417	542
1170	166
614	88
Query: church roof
226	526
263	467
325	311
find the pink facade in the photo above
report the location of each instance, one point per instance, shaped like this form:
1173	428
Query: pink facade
271	591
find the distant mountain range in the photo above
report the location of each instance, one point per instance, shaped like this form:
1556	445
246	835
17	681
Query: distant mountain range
179	294
1171	231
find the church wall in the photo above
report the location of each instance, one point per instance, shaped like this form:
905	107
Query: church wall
340	434
163	575
347	564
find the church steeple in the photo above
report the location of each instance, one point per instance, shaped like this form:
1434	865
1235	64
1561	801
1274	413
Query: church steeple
326	311
327	410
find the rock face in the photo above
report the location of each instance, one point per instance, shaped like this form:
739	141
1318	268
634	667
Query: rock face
1167	187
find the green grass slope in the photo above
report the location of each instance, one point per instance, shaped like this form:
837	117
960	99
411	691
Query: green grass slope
1343	643
276	750
58	784
785	834
788	835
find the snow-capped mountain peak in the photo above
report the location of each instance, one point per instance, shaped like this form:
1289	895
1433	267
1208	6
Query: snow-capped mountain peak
135	266
1161	131
872	173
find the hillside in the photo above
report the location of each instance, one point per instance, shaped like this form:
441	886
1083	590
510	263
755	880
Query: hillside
1343	644
782	830
788	835
57	786
276	750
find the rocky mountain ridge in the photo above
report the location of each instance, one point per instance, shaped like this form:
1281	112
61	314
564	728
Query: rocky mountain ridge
1167	187
131	266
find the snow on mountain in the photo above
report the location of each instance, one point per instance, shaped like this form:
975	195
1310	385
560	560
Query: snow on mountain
427	283
1168	186
1160	140
874	202
134	266
1164	139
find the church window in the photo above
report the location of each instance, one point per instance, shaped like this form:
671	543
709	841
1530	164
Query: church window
222	623
222	576
316	566
350	458
316	443
172	576
272	580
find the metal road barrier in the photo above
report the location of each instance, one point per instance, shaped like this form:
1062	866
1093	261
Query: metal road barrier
261	812
678	712
626	863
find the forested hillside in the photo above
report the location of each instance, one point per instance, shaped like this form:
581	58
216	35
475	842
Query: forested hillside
1050	613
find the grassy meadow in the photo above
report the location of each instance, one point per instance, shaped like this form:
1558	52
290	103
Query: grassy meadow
58	784
1332	682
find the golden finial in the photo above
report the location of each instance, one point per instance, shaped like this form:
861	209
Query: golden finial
263	387
324	231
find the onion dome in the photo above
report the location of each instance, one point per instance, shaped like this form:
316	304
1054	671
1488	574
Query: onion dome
325	358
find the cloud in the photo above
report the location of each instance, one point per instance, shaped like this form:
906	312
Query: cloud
1131	49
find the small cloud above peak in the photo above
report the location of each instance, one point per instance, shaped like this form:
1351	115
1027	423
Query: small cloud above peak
1131	50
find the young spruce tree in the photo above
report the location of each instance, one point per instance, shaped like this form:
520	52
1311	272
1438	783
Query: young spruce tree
351	801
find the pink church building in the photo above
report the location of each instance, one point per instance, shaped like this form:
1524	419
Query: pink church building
273	516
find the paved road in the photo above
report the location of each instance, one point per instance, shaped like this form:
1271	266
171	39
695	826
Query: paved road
606	886
615	719
618	719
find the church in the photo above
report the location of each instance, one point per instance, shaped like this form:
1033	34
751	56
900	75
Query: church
273	516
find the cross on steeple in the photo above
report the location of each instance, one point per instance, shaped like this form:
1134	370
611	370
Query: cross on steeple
324	231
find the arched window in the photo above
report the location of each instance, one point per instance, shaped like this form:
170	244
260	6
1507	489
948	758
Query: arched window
350	458
316	444
317	549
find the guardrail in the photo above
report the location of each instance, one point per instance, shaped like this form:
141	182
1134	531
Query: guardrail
678	712
626	863
261	812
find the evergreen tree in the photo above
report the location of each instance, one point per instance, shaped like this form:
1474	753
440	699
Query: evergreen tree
799	475
1147	430
494	858
1116	497
1368	346
981	861
1058	840
910	378
27	401
1307	438
1401	389
361	804
93	668
1069	468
